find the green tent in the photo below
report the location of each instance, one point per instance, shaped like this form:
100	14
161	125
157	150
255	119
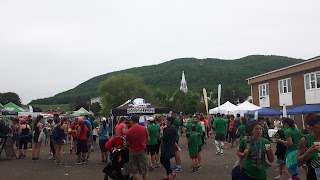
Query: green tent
81	112
12	107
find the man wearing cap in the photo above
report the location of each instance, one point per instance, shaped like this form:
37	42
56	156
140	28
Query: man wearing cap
176	123
152	144
136	138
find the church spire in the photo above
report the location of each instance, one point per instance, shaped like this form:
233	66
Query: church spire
183	86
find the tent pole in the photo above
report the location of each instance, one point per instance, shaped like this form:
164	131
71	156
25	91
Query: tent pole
112	118
303	122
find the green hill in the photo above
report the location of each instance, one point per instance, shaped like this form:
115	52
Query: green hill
167	76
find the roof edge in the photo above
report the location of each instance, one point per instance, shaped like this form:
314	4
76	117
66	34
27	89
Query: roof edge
298	64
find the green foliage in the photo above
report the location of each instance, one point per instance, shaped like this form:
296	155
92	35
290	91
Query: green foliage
231	74
188	103
95	108
8	97
119	88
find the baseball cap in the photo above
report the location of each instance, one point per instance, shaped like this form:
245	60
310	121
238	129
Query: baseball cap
150	119
103	119
22	120
81	121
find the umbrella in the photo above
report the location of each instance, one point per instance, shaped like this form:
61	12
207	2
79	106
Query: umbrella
304	110
264	112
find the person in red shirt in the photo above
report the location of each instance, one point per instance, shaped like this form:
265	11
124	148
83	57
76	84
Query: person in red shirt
74	134
136	138
82	147
232	131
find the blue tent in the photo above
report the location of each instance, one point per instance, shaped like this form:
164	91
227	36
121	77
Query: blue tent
304	110
265	112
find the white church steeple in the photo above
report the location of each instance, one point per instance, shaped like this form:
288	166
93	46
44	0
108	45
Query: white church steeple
183	86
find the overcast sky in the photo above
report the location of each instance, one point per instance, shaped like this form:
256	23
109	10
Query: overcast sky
47	47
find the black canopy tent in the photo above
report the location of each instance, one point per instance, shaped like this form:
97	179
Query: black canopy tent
5	112
137	105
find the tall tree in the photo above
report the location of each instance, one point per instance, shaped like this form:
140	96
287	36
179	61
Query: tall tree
7	97
95	108
117	89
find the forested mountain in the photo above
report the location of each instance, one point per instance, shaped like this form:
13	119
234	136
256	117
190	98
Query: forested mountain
232	75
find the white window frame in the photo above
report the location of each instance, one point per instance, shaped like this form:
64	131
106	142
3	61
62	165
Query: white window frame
263	90
283	85
315	81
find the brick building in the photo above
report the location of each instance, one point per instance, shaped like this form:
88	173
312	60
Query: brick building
295	85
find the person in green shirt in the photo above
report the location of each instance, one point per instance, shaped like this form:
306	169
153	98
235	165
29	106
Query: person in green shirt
241	129
227	119
30	123
200	133
221	127
188	128
157	155
193	148
176	124
152	144
293	136
191	119
256	153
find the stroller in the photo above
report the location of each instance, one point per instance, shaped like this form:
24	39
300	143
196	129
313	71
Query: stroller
117	169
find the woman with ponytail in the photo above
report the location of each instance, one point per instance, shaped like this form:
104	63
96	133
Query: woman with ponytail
103	139
82	147
292	136
38	138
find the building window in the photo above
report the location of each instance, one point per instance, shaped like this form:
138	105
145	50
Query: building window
312	80
285	86
263	90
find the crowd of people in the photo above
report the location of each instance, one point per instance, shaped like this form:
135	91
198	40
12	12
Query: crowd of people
156	142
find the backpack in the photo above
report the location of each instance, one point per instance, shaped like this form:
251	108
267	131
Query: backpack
56	133
4	129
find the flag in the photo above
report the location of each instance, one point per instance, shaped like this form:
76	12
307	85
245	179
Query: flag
219	95
205	97
30	108
284	111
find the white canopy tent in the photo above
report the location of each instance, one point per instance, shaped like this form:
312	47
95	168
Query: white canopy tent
244	107
224	108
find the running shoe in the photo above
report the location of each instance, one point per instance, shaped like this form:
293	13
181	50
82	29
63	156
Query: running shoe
34	159
87	158
221	152
218	153
50	157
193	171
199	167
151	168
63	164
38	159
277	168
156	165
84	161
79	162
70	151
174	167
174	176
178	169
278	177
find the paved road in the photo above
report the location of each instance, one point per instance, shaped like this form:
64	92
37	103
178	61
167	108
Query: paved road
213	167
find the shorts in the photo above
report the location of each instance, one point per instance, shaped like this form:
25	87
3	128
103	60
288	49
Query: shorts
74	139
15	137
102	144
220	137
193	157
36	138
24	142
188	135
151	149
199	148
94	137
237	136
158	147
232	134
61	142
281	161
41	138
138	162
82	146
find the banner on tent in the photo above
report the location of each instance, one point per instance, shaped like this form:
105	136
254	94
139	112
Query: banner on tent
140	110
